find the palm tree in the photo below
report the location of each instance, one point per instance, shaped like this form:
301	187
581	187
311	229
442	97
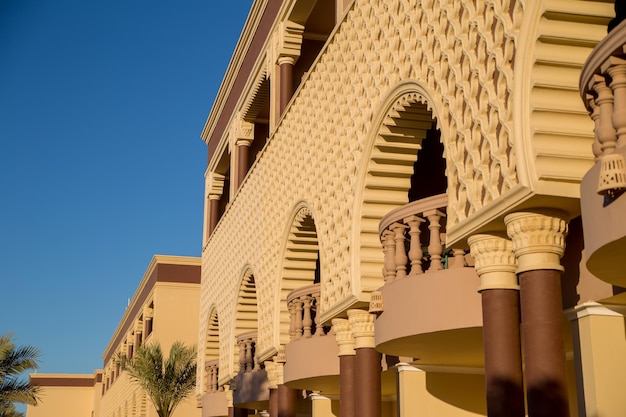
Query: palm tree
14	360
167	383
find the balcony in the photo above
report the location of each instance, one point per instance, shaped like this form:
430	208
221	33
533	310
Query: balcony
603	90
312	361
250	386
429	308
214	402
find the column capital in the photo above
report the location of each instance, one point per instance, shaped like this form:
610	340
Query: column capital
538	239
289	42
362	324
494	261
343	336
272	374
229	396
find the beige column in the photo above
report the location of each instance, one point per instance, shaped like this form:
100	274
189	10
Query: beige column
321	406
368	368
598	335
539	243
409	382
347	355
495	264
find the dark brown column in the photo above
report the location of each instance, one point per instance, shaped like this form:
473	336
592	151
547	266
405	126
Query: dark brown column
214	213
286	83
273	407
231	411
347	406
367	369
287	398
495	265
240	412
347	361
542	323
539	243
243	149
367	373
502	348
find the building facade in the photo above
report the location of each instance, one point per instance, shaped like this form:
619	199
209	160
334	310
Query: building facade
393	221
164	309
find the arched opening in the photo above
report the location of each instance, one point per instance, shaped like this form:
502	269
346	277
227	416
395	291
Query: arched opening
246	324
300	271
212	355
406	164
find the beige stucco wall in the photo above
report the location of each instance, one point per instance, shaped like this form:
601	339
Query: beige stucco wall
66	401
519	134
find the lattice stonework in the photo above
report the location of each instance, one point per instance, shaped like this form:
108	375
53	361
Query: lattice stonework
460	54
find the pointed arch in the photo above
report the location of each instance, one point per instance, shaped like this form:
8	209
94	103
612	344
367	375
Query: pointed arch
300	264
405	120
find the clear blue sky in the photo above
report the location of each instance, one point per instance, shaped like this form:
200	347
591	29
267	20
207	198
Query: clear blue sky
101	166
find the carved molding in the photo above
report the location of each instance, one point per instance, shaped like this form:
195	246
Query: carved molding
495	262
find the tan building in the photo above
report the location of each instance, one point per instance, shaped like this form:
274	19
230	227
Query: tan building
164	309
67	395
393	212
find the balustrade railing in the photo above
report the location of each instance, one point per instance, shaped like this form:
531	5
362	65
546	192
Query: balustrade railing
247	351
413	240
211	369
303	311
603	90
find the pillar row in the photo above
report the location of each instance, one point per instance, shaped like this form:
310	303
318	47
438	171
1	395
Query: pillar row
539	243
495	265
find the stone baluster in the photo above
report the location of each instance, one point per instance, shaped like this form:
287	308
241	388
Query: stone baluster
458	259
596	147
292	322
298	321
319	329
242	356
389	249
605	131
617	70
307	321
400	257
435	249
415	249
249	359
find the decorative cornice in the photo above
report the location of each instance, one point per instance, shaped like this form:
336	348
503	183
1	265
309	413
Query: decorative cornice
538	239
494	262
343	336
362	324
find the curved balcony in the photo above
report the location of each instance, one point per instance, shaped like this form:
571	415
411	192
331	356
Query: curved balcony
312	361
429	308
603	90
250	386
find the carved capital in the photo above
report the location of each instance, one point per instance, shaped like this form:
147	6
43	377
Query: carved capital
343	336
495	262
289	42
362	324
244	132
538	239
215	186
229	396
272	374
279	362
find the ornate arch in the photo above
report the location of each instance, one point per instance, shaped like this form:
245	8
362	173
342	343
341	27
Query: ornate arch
385	174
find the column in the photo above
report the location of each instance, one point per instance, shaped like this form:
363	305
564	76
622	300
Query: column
495	265
410	386
539	243
321	406
285	397
244	132
598	334
272	384
214	191
345	341
368	369
290	42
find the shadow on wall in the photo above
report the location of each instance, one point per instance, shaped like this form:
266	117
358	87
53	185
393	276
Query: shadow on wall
463	391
